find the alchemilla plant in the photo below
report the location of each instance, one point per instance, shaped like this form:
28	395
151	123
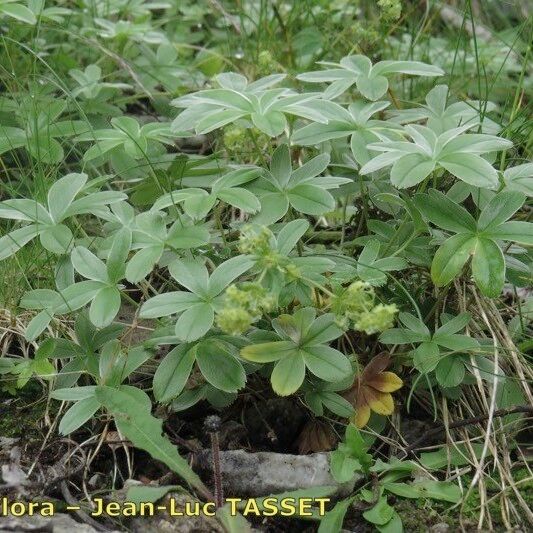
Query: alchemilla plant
350	236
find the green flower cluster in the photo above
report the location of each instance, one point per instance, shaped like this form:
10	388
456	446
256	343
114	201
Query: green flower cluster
356	306
267	64
390	9
255	241
236	139
244	305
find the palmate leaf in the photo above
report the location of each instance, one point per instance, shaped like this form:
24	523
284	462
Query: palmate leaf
442	115
453	150
210	109
61	204
303	188
371	80
475	239
197	307
303	346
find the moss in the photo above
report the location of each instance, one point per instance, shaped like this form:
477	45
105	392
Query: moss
418	515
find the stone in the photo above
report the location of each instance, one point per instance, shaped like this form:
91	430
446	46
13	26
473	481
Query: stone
264	473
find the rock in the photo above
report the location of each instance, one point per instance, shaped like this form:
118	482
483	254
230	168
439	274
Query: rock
263	473
441	527
59	523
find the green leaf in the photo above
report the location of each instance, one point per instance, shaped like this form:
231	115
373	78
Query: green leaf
373	87
57	239
515	231
311	200
413	323
73	393
488	267
455	342
241	199
191	274
520	178
288	374
118	255
290	234
142	263
444	212
326	363
173	372
472	169
233	523
184	237
332	520
426	357
88	265
145	431
451	258
46	149
414	68
380	514
404	490
309	170
273	207
273	123
78	414
500	208
410	170
62	194
268	352
37	325
23	209
450	371
19	12
439	490
38	299
337	404
219	366
12	242
323	329
343	467
401	336
195	322
76	296
105	306
227	272
457	455
138	494
457	323
168	303
394	525
280	165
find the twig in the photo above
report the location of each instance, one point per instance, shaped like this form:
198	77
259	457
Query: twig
468	422
212	426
